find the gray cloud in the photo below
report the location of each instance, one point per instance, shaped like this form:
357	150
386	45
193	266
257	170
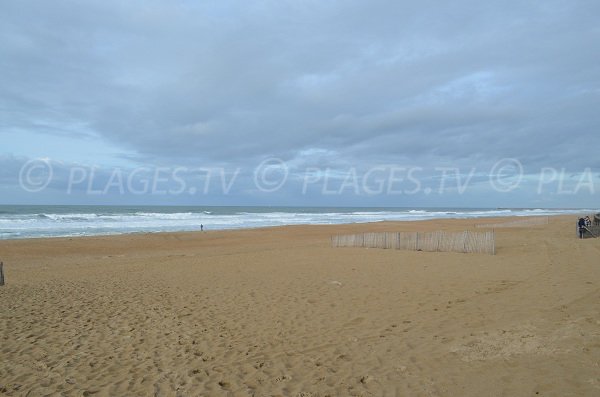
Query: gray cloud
229	82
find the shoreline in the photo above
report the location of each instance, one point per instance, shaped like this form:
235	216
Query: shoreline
501	218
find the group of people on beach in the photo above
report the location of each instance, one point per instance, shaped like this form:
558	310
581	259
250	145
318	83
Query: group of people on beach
584	224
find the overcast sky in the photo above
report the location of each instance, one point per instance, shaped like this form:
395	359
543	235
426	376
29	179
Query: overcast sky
321	91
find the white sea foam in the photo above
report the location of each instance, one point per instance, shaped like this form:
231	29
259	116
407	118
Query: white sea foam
25	224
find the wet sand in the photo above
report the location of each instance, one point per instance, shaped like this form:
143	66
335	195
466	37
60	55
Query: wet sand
277	311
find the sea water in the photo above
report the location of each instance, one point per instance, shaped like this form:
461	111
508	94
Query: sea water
61	221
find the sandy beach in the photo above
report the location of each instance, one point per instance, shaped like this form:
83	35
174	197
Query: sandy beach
279	312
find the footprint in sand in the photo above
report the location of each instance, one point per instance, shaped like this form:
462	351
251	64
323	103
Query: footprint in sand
224	384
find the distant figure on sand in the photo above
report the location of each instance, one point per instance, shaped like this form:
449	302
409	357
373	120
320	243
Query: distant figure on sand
201	227
581	224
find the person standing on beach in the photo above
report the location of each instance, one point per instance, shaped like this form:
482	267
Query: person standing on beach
581	227
201	227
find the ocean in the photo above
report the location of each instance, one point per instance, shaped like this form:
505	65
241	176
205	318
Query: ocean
18	221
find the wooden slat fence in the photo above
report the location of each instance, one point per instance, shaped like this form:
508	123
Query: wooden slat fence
468	242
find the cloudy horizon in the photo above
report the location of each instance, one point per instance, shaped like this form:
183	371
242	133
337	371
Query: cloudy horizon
379	103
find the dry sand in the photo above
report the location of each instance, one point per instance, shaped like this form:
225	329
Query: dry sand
278	312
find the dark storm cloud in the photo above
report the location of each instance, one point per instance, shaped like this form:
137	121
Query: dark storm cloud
465	82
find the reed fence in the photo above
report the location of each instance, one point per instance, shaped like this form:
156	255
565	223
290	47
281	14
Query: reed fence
467	242
534	221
